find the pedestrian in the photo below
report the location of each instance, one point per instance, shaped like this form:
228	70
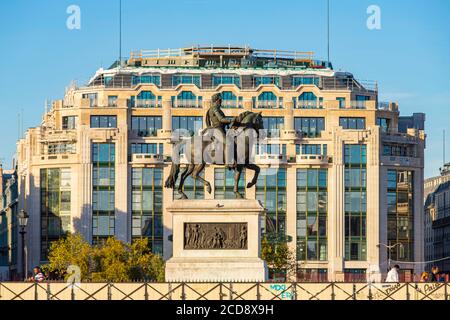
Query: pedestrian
38	275
434	274
424	277
392	275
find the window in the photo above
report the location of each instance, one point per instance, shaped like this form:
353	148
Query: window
148	78
186	99
224	183
55	201
352	123
310	127
225	79
271	192
355	202
103	122
384	124
103	191
147	199
308	100
229	100
186	79
69	122
273	126
312	214
258	80
271	148
312	275
301	80
396	150
341	102
112	101
92	98
268	100
400	213
146	126
148	148
311	149
190	125
146	99
61	148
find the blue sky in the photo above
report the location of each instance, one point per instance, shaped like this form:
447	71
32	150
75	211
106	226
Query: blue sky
409	56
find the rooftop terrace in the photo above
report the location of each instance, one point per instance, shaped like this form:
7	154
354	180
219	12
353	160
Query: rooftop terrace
225	57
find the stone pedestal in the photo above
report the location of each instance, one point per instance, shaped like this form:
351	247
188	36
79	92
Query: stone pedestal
216	240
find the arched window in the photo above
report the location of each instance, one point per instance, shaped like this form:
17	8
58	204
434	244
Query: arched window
185	95
186	99
146	95
308	100
268	100
267	96
146	99
307	96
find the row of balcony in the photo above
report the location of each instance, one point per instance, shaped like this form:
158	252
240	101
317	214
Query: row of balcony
241	82
265	158
256	104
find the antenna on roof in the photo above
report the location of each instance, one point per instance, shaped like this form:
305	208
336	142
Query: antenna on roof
443	145
328	32
120	34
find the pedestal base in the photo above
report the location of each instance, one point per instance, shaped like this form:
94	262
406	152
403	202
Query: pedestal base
216	240
216	270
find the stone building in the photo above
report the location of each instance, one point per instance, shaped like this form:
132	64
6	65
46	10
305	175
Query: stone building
9	233
437	220
338	177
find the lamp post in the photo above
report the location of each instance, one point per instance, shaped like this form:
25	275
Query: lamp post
390	247
23	221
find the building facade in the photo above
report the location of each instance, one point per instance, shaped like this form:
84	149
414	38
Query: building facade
338	177
9	233
437	220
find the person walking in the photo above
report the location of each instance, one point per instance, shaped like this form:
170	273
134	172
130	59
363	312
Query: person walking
424	277
392	275
434	274
38	276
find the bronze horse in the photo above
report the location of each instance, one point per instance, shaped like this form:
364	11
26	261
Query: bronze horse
246	120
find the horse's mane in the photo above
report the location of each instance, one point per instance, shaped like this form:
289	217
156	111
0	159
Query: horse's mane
248	117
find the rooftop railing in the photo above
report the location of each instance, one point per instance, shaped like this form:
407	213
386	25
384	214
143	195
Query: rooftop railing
209	50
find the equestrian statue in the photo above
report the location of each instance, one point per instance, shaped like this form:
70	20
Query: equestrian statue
215	139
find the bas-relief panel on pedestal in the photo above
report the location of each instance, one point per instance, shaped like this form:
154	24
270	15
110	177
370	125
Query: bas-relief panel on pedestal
213	236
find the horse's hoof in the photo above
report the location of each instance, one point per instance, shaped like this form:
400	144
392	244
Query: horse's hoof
182	196
249	185
238	195
208	188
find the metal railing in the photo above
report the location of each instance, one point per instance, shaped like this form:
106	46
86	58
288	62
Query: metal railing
147	103
308	104
224	291
267	104
199	50
186	103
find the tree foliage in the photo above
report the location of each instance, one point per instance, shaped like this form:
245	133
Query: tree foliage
113	261
278	256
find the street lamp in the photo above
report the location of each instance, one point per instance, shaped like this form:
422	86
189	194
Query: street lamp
23	221
390	247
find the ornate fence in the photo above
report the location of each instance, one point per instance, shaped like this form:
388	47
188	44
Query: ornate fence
224	291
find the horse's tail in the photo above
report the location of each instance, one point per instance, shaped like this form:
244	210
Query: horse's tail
173	176
174	170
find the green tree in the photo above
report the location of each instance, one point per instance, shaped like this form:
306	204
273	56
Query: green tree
278	256
71	250
112	261
143	263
